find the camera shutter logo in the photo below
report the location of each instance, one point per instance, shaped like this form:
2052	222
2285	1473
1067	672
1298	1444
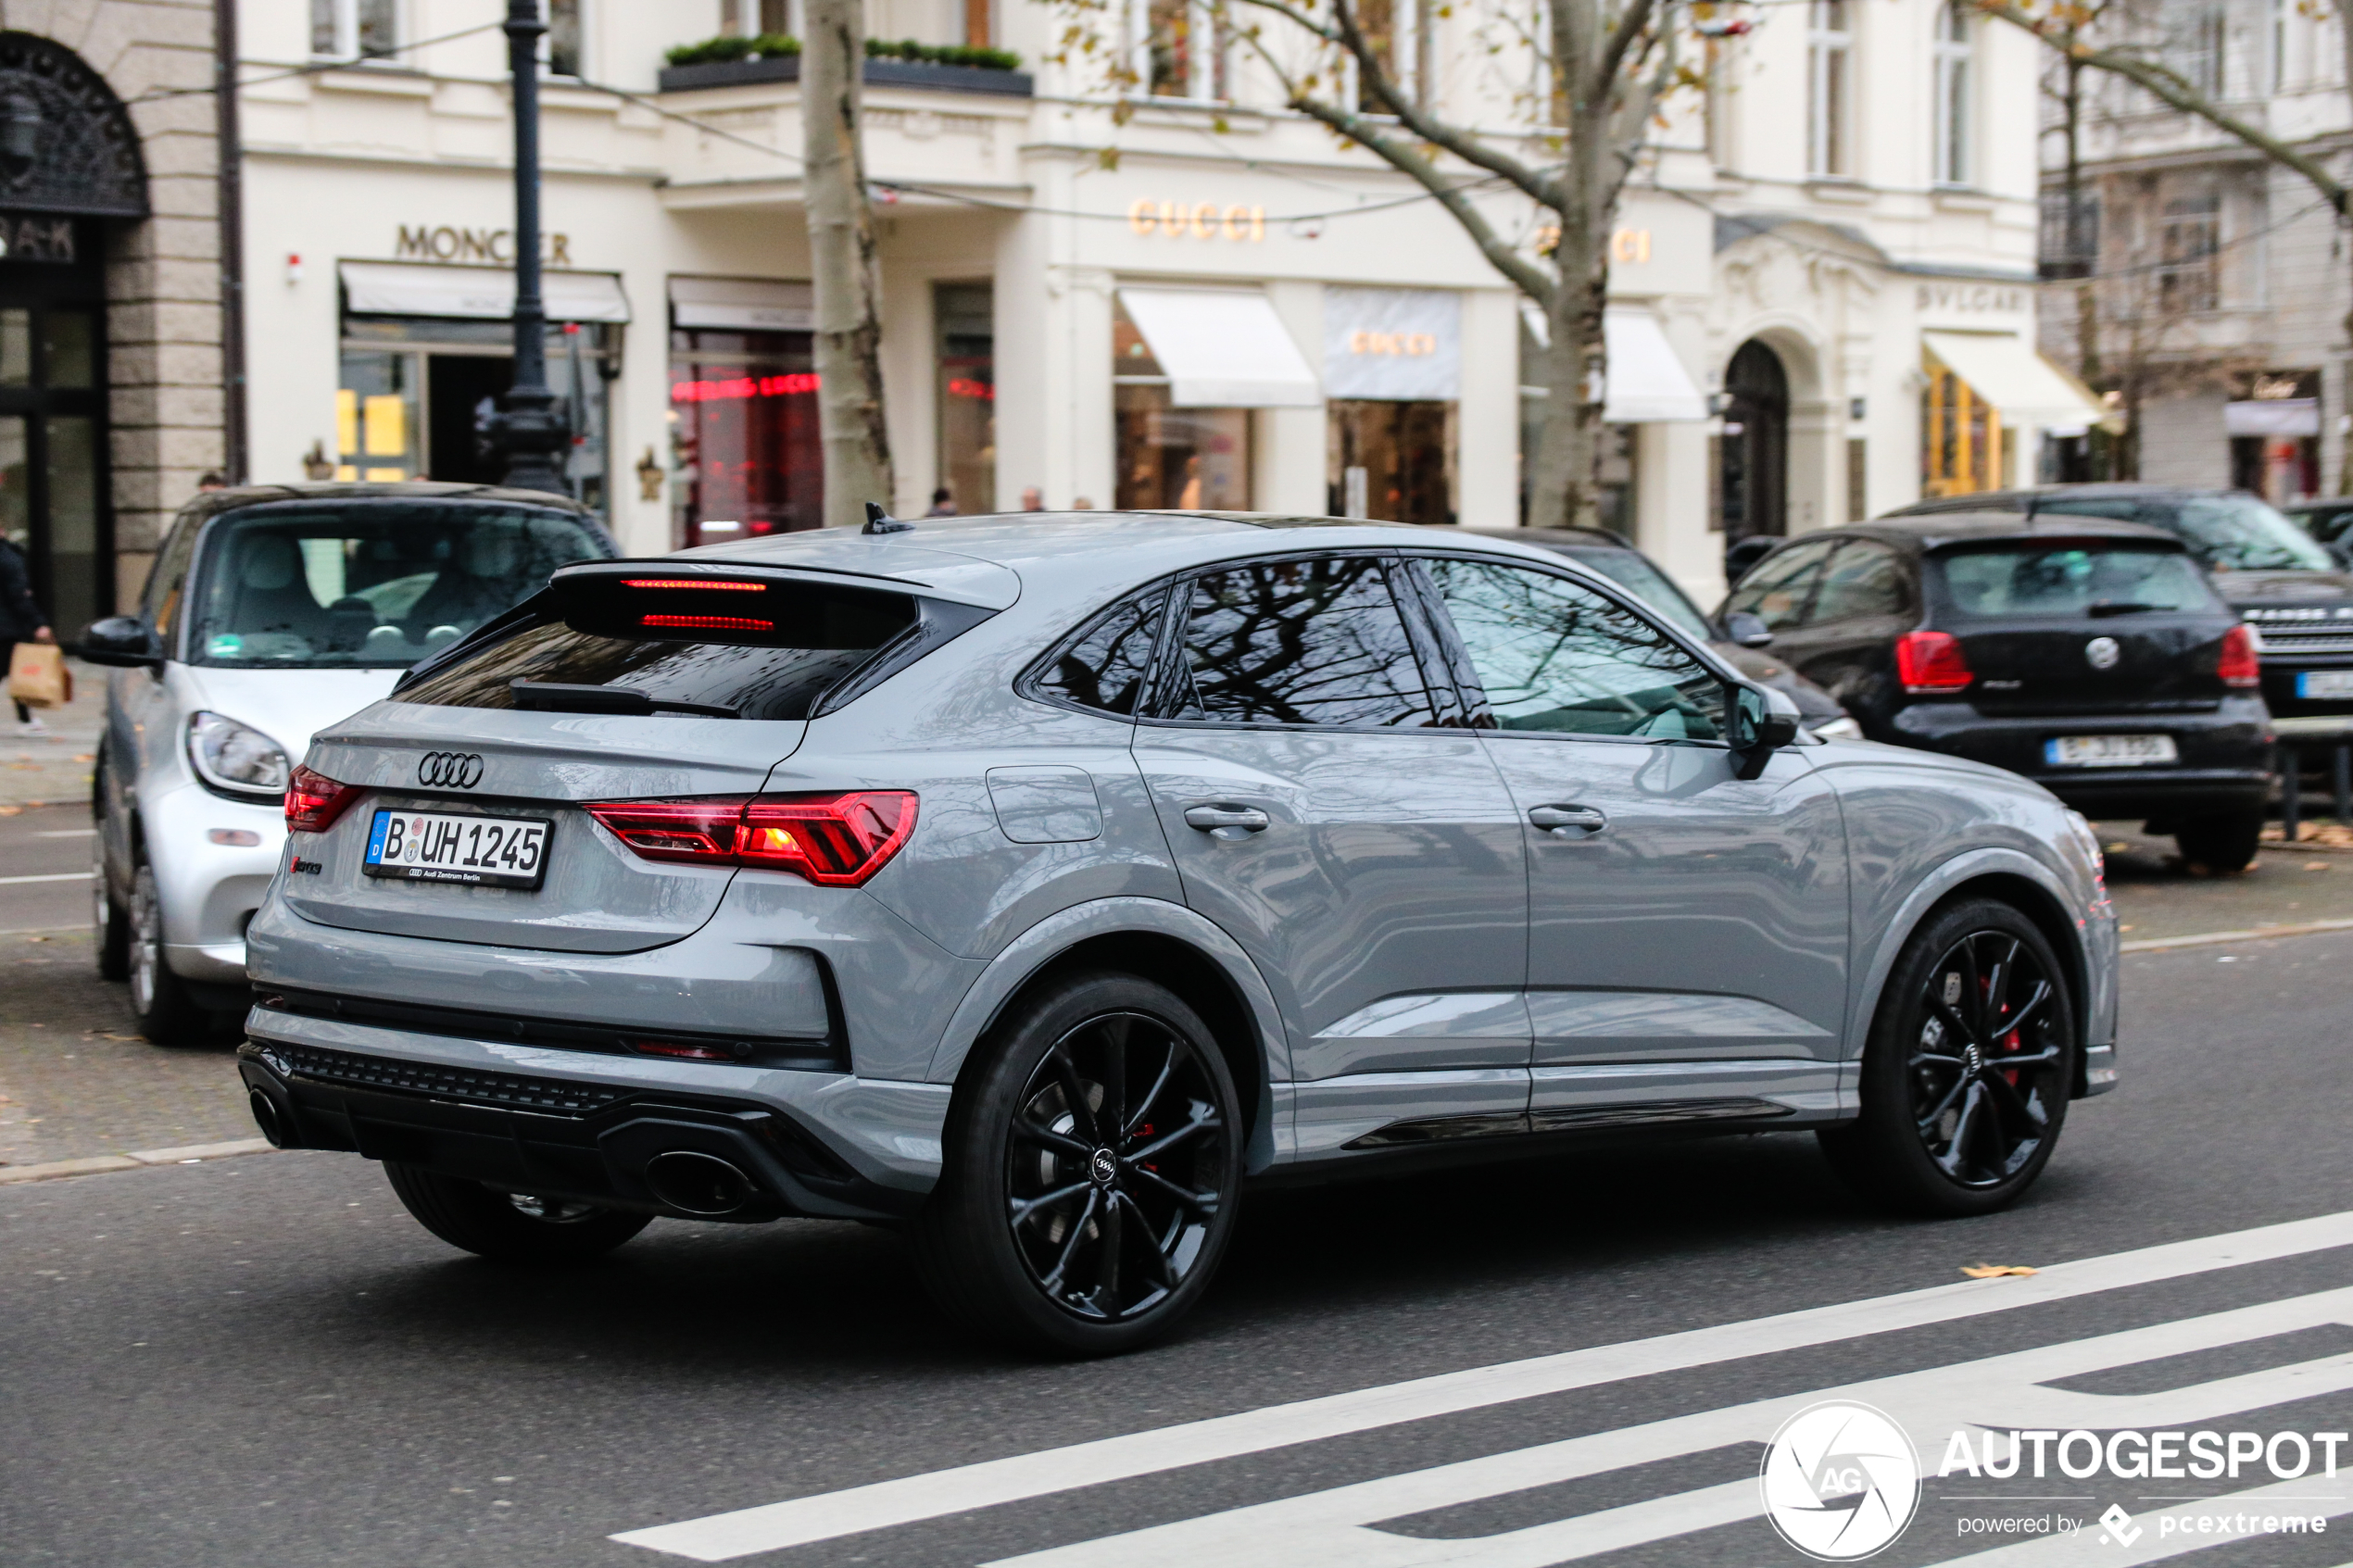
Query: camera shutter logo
450	769
1841	1481
2102	653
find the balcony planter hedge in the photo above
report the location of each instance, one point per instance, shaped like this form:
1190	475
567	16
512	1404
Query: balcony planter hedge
697	69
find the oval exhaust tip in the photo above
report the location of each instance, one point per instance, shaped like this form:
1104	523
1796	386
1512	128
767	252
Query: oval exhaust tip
266	1117
697	1184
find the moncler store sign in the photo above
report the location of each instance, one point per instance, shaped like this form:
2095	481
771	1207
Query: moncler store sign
1394	345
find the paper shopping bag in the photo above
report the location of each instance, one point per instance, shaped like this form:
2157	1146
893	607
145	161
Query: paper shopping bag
38	676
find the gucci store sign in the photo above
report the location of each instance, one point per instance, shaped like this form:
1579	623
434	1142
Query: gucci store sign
1393	344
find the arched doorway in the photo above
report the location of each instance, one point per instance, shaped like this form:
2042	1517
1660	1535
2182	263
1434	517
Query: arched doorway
70	163
1755	473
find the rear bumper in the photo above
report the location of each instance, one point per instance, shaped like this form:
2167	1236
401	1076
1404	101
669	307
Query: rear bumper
2225	766
534	1119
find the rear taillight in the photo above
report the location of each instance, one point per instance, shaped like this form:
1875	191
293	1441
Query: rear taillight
314	801
2240	664
1932	662
832	840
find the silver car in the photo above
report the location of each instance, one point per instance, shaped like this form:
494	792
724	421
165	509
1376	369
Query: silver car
272	611
1038	883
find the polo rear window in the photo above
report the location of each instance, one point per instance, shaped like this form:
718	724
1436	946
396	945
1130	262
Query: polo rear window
763	649
2074	581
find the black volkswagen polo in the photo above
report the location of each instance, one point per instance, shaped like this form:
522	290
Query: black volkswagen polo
2092	655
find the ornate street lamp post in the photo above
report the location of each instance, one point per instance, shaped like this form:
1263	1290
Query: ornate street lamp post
528	430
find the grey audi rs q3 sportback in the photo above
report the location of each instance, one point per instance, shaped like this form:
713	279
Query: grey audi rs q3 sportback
1038	883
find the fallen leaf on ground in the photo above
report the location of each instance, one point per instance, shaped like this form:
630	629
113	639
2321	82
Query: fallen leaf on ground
1994	1271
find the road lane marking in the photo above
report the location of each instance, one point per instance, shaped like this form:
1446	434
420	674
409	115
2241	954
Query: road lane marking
1339	1529
54	876
906	1499
67	832
2216	938
2085	1548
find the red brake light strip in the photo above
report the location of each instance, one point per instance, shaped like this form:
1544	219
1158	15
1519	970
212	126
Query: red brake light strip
714	585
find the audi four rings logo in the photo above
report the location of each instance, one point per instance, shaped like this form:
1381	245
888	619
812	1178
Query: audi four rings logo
450	769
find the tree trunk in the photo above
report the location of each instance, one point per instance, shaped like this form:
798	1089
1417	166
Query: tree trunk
841	264
1563	492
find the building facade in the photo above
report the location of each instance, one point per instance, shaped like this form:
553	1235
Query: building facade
2200	284
1821	301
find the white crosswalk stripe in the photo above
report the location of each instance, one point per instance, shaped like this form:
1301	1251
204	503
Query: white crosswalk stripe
1334	1529
1335	1526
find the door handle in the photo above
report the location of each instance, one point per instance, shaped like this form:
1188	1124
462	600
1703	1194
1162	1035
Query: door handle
1226	822
1558	820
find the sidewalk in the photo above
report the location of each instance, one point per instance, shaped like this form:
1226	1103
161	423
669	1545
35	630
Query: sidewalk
54	768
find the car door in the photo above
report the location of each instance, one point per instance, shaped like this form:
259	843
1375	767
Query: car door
143	720
1362	849
1687	925
1846	641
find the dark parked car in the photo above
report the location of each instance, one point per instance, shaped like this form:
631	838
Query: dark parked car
2094	657
2290	588
2330	521
1610	554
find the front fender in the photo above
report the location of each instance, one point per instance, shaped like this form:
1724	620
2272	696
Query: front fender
1030	952
2094	956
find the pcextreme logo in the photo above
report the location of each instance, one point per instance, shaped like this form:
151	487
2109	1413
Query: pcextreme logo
1841	1481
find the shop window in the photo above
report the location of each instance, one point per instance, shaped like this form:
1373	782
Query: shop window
1188	458
743	413
1828	46
1392	461
352	29
417	395
1961	445
962	314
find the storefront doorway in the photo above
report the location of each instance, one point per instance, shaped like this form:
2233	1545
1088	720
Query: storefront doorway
1754	449
1392	461
53	406
963	315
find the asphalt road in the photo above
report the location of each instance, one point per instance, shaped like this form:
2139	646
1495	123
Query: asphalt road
265	1360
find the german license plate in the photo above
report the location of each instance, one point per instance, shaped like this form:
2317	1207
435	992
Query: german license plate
476	851
2324	685
2109	751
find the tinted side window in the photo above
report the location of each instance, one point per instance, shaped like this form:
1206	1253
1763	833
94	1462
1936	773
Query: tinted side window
167	592
1299	642
1778	590
1105	665
1863	580
1555	655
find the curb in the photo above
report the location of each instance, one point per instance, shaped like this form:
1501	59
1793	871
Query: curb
2216	938
138	1159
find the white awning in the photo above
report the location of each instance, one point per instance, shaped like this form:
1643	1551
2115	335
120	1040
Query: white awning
487	294
757	305
2273	416
2008	371
1646	382
1222	349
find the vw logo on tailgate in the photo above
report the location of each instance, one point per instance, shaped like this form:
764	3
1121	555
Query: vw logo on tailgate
450	769
2102	653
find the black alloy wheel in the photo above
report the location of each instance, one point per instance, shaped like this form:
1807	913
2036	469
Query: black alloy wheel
1969	1069
1092	1185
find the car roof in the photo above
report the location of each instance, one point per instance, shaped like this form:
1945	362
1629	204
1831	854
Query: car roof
985	558
1930	532
211	503
2105	490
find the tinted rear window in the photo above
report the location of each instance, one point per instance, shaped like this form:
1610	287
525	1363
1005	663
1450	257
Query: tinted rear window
2073	581
368	583
791	646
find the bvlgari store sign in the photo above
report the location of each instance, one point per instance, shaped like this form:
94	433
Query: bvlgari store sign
1392	344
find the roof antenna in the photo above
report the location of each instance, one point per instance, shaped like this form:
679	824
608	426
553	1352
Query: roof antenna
881	521
2033	505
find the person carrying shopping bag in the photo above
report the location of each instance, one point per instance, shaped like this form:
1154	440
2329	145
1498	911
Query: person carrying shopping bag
21	621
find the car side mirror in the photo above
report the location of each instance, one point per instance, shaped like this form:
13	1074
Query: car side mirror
123	641
2342	550
1748	630
1762	721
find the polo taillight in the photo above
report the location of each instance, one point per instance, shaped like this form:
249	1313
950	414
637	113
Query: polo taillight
314	801
1932	662
2241	664
834	840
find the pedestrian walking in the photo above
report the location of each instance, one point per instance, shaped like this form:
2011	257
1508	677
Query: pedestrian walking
1033	499
943	503
21	621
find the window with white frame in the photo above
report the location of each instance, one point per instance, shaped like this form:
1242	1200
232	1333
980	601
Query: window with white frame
1396	32
2279	45
2189	247
1178	50
1953	86
746	18
1829	87
561	48
352	28
2197	47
